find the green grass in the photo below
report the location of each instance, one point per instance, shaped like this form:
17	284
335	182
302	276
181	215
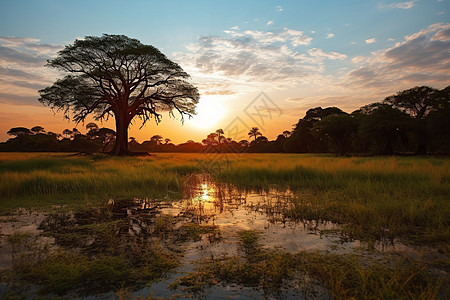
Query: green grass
374	198
350	276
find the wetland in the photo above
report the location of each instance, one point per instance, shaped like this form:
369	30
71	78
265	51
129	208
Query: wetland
262	226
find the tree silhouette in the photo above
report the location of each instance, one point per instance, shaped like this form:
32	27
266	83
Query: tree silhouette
210	139
286	133
75	132
254	132
67	132
339	128
114	75
157	139
37	129
107	136
382	124
19	131
91	127
219	135
167	140
417	102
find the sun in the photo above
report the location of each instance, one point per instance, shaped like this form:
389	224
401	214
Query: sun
210	110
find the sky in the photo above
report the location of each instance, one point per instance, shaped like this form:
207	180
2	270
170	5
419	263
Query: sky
255	63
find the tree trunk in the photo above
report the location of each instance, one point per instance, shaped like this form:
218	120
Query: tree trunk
121	145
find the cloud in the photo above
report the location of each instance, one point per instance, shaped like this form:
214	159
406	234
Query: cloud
315	52
371	41
330	35
269	22
254	59
22	70
279	8
440	13
400	5
422	58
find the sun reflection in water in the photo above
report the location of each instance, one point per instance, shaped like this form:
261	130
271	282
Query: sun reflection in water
205	193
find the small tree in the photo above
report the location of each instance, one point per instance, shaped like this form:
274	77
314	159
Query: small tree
67	132
286	133
220	136
254	132
19	131
157	139
117	76
37	129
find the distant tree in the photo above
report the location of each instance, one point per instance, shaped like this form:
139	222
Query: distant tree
438	122
132	139
107	136
67	132
244	143
19	131
340	128
254	132
261	139
167	140
417	102
157	139
210	139
304	138
286	133
383	124
114	75
91	127
219	135
75	132
37	129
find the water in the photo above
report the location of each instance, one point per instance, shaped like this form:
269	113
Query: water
223	210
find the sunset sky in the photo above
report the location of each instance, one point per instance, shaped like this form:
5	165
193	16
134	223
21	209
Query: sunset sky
256	63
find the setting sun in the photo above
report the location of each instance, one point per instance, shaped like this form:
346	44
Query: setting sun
210	110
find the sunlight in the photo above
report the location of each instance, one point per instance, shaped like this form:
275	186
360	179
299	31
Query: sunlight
210	110
205	196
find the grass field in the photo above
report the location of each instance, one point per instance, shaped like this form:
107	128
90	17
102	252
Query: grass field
373	198
402	196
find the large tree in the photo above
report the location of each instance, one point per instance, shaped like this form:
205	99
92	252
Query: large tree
417	102
114	75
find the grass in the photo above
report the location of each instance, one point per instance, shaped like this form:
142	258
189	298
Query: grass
376	196
373	198
350	276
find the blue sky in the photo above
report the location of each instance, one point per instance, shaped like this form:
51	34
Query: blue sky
302	54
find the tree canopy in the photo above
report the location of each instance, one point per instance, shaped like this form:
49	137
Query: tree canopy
117	76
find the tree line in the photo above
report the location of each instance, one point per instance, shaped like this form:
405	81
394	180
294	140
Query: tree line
413	121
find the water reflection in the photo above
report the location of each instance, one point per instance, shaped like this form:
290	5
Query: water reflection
204	224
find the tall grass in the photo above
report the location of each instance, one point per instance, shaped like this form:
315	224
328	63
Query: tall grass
377	196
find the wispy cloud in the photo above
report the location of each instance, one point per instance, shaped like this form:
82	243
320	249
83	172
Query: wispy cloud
330	35
279	8
22	70
256	59
269	22
316	52
371	41
422	58
400	5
